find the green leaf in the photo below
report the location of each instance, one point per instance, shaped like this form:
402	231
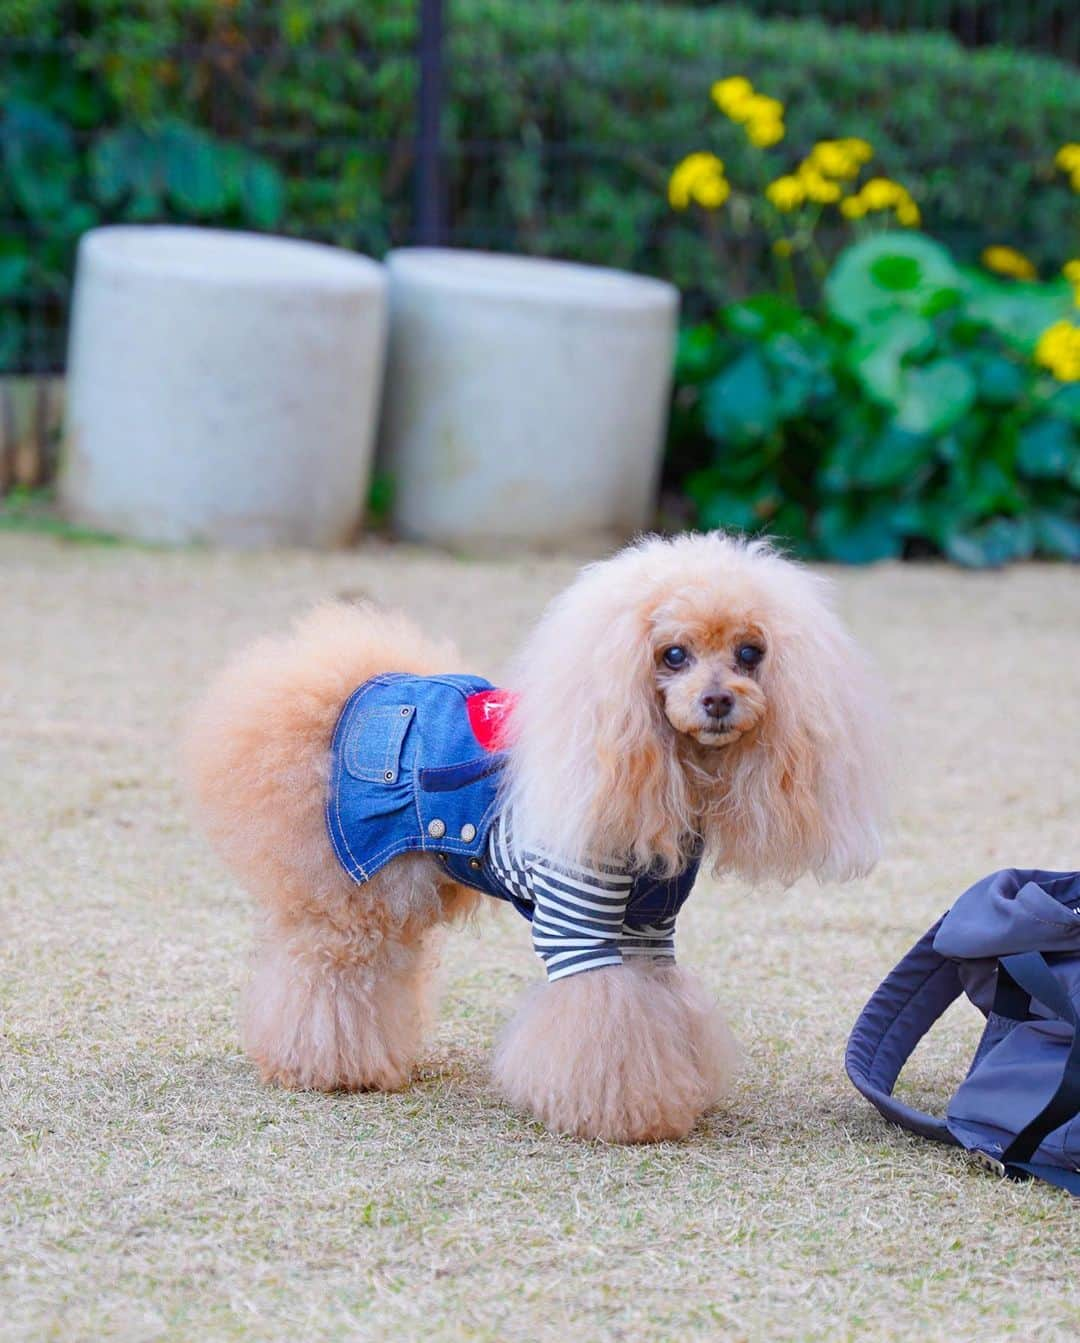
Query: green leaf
739	404
991	489
893	456
40	159
719	504
1057	534
876	355
854	538
992	544
1045	448
801	376
763	315
931	519
1065	402
935	397
891	272
128	162
728	512
695	353
791	524
1018	313
14	265
296	22
380	498
199	175
1001	382
262	193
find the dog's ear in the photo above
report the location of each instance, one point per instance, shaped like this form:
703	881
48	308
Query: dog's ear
637	788
594	776
808	795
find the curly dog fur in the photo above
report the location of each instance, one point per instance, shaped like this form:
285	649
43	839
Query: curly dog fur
613	758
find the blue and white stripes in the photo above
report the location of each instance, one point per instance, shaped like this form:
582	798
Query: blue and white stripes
579	914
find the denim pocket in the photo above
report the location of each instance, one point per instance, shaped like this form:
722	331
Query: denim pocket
374	741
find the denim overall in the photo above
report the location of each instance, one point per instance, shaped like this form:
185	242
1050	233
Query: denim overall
410	774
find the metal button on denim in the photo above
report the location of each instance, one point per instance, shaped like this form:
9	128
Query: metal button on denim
468	833
436	828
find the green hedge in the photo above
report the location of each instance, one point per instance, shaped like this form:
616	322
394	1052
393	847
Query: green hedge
971	134
1051	25
563	123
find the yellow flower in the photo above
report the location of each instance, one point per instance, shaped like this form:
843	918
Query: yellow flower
782	247
764	131
786	193
1058	350
881	194
1074	179
1008	261
760	108
1071	271
817	187
762	117
834	159
1068	158
699	178
731	94
907	213
862	151
711	192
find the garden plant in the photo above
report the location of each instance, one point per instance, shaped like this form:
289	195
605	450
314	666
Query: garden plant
879	399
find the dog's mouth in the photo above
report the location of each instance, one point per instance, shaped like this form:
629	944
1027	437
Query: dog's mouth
722	734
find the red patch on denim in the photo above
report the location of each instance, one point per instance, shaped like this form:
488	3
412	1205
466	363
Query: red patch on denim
488	712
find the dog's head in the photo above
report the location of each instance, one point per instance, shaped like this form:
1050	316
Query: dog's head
699	687
708	654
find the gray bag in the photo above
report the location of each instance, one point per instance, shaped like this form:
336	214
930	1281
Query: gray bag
1012	944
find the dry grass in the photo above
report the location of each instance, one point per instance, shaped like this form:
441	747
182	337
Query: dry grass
151	1189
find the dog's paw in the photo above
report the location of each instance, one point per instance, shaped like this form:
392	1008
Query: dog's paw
633	1053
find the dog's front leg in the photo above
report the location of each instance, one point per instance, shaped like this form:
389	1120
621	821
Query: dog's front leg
630	1053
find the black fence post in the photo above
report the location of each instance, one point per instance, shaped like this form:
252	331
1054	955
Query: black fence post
430	200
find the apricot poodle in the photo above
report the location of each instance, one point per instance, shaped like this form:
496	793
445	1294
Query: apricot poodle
689	700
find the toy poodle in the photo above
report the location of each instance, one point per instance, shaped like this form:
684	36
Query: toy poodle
688	700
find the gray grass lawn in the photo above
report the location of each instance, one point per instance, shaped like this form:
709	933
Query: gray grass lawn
150	1188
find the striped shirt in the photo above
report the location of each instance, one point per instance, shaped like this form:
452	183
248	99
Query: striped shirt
579	914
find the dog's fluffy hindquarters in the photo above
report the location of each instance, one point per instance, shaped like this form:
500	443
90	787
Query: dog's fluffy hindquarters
685	700
340	985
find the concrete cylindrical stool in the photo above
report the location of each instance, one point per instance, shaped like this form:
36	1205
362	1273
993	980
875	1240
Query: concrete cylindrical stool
223	387
526	400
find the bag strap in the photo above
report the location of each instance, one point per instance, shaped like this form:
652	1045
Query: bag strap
902	1010
912	998
1020	979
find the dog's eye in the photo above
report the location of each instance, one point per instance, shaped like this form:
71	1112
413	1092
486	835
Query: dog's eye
676	657
749	655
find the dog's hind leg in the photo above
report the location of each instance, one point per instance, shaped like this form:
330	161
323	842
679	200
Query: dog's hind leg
343	1004
330	1008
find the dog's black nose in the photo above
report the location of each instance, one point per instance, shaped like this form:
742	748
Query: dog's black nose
719	704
